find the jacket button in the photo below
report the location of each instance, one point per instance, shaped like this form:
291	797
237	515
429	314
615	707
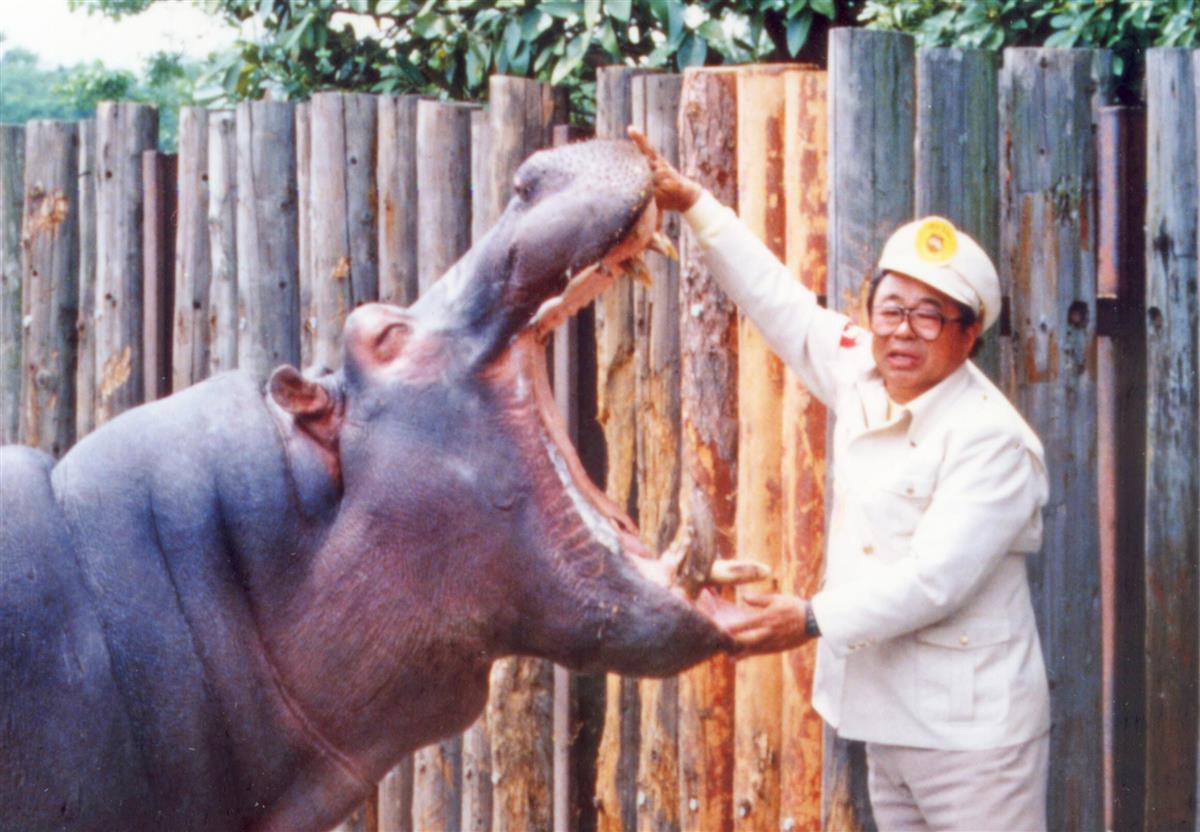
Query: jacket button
963	640
868	549
908	490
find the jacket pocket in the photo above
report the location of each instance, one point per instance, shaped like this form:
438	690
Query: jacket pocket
960	671
896	507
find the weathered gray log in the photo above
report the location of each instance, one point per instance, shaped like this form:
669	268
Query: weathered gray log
159	174
193	264
1049	256
1172	443
520	721
123	132
443	187
443	152
342	224
655	104
268	291
957	157
222	241
708	411
397	184
308	309
872	94
395	798
85	320
49	282
12	199
616	776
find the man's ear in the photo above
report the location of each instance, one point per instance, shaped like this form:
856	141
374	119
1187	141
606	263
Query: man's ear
314	408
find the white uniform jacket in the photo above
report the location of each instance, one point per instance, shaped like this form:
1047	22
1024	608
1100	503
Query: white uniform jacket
928	632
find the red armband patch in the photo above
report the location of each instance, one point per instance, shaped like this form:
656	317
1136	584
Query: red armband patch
850	336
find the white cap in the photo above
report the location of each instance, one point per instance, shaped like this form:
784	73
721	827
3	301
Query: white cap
934	252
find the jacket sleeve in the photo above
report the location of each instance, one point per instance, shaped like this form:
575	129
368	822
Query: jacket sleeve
990	497
810	339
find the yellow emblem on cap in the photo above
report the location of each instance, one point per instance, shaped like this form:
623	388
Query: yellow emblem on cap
936	242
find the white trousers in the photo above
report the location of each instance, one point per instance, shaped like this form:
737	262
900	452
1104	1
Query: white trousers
1002	789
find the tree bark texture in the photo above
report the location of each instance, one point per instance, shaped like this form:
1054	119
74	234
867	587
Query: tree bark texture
193	264
12	208
1048	237
267	258
123	131
343	232
708	115
397	186
50	291
222	241
85	319
806	134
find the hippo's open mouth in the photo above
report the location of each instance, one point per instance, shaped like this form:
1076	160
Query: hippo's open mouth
605	521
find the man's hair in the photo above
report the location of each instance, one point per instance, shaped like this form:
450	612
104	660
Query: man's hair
967	315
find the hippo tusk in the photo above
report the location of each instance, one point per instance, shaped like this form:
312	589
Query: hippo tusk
661	243
734	572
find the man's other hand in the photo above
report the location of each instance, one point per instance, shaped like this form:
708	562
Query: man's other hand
777	624
672	190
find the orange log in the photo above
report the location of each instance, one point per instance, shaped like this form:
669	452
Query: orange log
804	421
709	436
757	730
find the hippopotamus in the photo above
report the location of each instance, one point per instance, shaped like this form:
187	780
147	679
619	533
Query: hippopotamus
239	606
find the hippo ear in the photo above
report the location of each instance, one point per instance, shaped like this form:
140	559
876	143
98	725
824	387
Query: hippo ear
311	404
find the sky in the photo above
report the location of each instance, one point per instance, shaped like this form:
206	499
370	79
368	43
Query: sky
61	37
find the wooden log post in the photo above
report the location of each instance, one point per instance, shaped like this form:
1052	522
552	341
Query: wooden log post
397	186
308	302
708	412
655	104
616	775
85	320
343	234
267	258
476	740
1172	443
1049	254
871	120
957	158
50	291
159	175
762	207
193	264
443	152
806	135
222	241
123	132
1120	420
520	710
12	207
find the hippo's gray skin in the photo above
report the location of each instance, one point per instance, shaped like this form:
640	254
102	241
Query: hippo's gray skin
228	610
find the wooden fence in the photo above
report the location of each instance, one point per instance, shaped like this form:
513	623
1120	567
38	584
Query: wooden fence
127	274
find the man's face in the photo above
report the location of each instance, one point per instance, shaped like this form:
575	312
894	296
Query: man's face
910	365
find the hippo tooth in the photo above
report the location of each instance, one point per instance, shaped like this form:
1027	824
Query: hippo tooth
661	243
727	572
635	267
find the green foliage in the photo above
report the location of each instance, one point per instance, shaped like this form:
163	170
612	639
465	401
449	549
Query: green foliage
29	91
1127	27
448	48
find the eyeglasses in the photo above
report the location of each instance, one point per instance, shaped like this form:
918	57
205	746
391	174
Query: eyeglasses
924	321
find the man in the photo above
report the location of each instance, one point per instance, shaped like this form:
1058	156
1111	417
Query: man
929	650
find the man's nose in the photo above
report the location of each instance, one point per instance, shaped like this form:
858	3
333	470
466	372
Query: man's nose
905	329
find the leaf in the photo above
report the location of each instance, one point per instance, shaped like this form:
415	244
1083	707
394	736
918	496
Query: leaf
591	13
562	9
520	62
512	39
608	39
797	32
692	52
824	7
359	7
619	9
572	57
674	22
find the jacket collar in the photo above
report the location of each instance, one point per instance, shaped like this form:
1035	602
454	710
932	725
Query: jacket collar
921	413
